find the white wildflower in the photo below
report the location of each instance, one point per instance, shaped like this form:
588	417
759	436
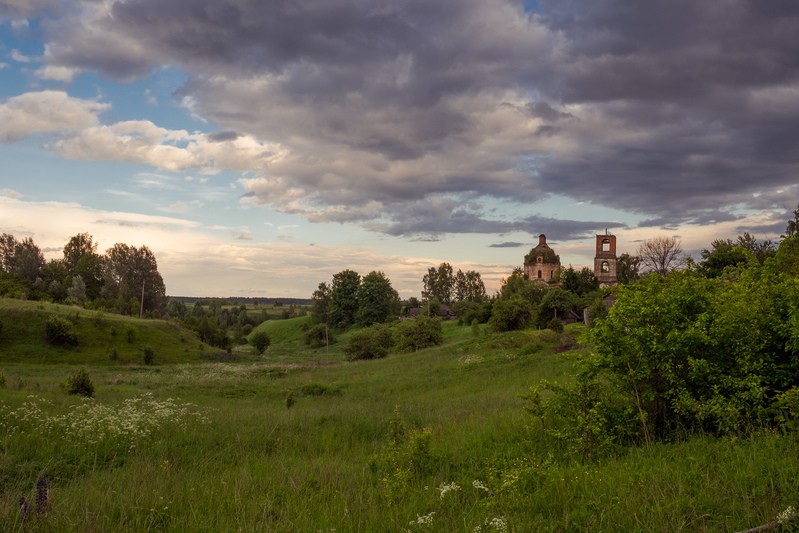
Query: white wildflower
786	515
448	487
479	485
423	520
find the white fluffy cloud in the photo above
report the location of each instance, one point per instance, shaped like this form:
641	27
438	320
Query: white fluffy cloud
46	112
143	142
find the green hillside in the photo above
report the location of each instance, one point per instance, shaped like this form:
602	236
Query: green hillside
102	338
300	439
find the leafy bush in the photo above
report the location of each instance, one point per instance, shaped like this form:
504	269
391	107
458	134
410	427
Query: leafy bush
80	383
421	332
149	355
369	343
318	336
260	341
511	314
59	332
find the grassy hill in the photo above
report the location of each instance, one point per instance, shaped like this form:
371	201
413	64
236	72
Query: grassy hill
302	440
102	338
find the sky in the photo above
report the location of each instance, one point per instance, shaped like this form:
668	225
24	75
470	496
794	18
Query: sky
260	147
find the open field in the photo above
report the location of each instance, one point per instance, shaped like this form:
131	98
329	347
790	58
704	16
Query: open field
301	440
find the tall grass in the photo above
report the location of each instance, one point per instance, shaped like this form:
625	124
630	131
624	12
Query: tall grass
435	440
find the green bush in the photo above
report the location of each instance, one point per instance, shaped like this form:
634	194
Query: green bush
59	332
318	336
80	383
421	332
511	314
149	355
369	343
260	341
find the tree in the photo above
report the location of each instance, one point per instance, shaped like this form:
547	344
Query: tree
8	246
661	254
517	285
724	254
28	260
439	283
557	303
580	282
469	287
132	279
320	303
81	259
377	299
344	298
792	229
627	268
762	250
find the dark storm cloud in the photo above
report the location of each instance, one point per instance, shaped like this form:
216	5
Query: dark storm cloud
676	110
507	244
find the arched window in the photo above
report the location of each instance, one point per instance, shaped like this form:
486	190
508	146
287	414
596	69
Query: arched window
539	274
605	245
605	267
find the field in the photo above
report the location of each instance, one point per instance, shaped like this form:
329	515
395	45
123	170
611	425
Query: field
302	440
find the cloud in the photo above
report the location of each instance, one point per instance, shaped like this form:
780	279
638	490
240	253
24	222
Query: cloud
143	142
46	112
201	261
411	118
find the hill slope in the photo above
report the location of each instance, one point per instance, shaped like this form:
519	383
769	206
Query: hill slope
102	338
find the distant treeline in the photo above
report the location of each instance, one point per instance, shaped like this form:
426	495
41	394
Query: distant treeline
242	300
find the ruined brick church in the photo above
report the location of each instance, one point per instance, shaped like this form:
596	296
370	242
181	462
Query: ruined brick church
542	263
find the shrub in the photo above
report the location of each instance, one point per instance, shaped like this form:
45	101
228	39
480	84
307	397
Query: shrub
260	341
421	332
80	383
511	314
369	343
2	380
131	335
319	336
58	332
149	355
555	325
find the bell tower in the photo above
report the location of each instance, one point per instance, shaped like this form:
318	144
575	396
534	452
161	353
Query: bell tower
605	260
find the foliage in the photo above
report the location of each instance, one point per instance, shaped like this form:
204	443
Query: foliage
421	332
724	254
149	355
579	282
60	332
627	268
511	314
469	287
661	255
259	340
517	285
318	336
439	283
132	280
369	343
377	300
80	383
587	420
695	354
792	229
320	303
557	303
344	299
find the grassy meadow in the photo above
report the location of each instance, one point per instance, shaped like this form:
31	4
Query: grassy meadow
303	440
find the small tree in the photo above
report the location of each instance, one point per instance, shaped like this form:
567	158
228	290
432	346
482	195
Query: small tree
259	340
661	254
80	383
